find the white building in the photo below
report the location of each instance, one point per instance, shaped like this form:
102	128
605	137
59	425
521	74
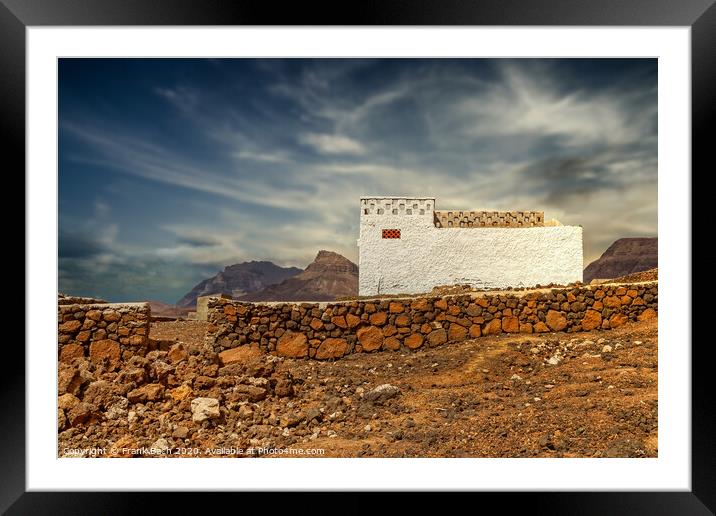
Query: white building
406	246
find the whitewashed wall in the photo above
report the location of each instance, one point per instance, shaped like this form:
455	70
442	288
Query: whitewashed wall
426	256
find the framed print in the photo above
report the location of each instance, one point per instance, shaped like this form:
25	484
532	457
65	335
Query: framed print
434	249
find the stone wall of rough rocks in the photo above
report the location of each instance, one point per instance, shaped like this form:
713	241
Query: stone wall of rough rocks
104	332
64	299
332	330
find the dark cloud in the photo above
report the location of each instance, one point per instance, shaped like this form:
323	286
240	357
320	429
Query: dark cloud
199	241
79	245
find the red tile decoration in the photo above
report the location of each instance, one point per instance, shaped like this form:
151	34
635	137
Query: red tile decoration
391	233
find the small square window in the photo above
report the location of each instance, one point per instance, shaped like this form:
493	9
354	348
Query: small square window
391	233
395	211
409	211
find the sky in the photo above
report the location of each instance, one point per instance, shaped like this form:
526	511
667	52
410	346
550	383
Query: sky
172	169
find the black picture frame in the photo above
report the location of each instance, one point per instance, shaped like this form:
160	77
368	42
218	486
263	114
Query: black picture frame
700	15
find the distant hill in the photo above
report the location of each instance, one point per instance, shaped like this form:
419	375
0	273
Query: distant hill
159	309
239	279
623	257
328	277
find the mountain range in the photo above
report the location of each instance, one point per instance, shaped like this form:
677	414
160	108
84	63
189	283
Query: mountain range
329	276
239	279
624	256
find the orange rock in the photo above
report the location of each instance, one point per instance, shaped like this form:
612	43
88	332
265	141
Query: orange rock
392	343
638	302
137	340
632	293
352	320
370	338
617	320
475	331
378	318
70	326
437	337
316	324
294	345
570	297
369	308
111	315
482	301
332	348
526	327
647	315
621	291
510	324
396	308
95	315
541	327
71	351
421	305
591	320
414	341
389	330
626	300
598	305
441	304
123	447
599	294
556	320
241	354
106	349
612	302
454	310
402	320
84	336
230	310
177	353
493	327
457	332
180	393
339	321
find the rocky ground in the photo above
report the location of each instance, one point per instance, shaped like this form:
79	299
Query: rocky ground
538	395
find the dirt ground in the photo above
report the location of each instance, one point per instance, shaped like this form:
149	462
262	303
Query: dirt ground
542	395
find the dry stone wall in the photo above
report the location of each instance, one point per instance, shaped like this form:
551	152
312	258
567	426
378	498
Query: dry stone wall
106	333
64	299
332	330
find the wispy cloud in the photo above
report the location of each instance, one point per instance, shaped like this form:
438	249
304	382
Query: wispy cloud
332	144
